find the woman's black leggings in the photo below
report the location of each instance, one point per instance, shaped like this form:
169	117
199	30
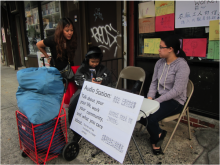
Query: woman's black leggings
167	108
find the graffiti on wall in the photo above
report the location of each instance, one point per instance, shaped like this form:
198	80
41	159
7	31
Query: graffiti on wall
106	36
97	14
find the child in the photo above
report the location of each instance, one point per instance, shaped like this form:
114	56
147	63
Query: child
90	70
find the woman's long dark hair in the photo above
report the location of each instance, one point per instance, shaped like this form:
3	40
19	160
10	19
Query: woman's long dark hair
174	42
71	44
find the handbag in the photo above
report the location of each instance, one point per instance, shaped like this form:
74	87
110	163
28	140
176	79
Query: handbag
67	72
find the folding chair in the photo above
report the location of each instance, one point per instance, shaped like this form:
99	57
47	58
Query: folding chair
185	111
133	73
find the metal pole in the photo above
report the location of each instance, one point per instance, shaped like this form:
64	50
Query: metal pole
138	149
130	157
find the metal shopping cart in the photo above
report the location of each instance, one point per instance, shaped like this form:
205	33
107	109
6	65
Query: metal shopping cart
44	142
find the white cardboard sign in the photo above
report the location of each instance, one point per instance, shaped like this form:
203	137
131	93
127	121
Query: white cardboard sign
106	117
196	13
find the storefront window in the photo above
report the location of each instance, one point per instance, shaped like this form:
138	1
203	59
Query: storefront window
32	25
51	15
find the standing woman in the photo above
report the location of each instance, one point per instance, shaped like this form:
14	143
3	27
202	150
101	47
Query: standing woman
62	44
168	87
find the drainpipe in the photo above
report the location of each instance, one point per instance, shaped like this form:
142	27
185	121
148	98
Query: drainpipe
125	39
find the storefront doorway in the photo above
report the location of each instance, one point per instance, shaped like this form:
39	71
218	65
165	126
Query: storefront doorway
105	31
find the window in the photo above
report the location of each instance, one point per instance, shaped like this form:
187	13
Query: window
32	25
50	16
184	33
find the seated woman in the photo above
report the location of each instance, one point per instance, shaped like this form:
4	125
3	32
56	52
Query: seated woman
89	69
168	87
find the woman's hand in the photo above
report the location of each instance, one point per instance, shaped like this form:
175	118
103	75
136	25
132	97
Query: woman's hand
48	60
150	98
40	45
97	82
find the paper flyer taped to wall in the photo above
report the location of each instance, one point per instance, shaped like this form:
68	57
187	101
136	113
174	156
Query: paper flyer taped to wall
151	45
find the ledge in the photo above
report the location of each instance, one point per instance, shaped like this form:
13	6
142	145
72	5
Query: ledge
32	55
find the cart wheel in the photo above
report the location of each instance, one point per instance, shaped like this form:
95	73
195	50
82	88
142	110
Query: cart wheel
24	155
70	151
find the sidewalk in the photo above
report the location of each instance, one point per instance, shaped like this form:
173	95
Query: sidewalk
202	149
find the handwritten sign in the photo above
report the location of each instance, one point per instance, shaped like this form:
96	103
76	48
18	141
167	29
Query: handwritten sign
164	7
151	45
106	117
147	25
213	50
214	30
195	47
146	9
40	63
165	23
195	13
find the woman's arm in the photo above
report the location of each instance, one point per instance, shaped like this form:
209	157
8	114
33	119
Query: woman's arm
153	86
40	45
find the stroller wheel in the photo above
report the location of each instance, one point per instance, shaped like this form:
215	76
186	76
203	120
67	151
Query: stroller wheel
24	155
70	151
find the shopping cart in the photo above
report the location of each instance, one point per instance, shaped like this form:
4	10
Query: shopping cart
44	142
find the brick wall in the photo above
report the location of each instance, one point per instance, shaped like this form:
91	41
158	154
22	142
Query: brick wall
197	122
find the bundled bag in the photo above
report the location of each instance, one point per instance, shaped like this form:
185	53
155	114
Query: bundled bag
40	93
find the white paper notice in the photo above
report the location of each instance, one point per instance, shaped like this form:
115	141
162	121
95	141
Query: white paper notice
106	117
146	9
195	13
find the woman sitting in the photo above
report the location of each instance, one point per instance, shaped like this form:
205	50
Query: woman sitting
168	87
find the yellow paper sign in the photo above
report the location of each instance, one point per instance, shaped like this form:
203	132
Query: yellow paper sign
214	30
164	7
151	45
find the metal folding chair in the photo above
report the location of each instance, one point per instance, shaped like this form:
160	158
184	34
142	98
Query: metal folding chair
185	111
132	73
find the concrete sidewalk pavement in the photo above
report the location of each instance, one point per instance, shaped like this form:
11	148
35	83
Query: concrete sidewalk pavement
202	149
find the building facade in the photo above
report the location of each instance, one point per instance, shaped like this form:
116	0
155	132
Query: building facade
121	29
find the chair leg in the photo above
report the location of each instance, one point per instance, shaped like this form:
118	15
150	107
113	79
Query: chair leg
172	134
188	123
130	158
140	128
138	149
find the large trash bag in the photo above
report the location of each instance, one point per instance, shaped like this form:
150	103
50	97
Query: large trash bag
41	80
40	93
